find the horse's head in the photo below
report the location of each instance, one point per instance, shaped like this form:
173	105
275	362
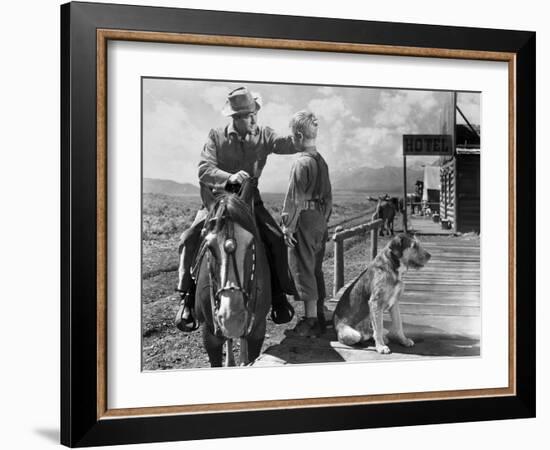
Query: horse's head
231	239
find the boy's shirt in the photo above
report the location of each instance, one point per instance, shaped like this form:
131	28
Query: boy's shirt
302	189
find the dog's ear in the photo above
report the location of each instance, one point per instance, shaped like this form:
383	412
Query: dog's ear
396	245
399	243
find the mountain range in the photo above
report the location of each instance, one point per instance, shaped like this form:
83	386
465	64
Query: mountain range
168	187
384	179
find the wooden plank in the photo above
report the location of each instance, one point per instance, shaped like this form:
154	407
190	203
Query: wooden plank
431	271
468	248
442	280
440	249
441	310
457	266
460	260
440	253
470	267
418	285
471	299
451	287
464	263
461	250
435	277
437	314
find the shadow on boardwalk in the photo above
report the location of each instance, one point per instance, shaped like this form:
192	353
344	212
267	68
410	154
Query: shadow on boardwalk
429	342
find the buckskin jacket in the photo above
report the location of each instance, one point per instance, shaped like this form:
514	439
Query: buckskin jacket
225	153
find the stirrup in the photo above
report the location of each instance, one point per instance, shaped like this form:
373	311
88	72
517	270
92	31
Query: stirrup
185	318
282	312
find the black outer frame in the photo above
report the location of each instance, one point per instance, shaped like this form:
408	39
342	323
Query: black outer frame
79	424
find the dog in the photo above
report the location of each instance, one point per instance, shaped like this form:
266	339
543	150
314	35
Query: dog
359	313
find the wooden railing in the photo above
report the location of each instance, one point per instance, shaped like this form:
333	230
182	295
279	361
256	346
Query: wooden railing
340	235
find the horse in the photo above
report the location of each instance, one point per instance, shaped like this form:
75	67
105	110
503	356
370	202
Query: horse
233	294
386	209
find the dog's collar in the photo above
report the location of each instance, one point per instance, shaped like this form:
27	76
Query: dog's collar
395	261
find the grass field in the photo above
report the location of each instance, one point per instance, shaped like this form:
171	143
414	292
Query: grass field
164	219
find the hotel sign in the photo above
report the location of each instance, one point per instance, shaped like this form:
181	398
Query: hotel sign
428	144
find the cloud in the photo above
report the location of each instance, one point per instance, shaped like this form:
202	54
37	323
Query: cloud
424	99
375	146
215	96
325	90
411	112
170	137
399	108
329	108
277	116
335	121
330	142
469	104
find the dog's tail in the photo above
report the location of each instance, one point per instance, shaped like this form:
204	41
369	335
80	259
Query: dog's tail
347	335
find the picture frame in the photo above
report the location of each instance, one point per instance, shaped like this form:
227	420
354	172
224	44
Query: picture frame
86	28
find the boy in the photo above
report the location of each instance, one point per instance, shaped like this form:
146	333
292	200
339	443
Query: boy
306	210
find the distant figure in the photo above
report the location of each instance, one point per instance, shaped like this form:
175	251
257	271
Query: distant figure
386	208
427	210
417	197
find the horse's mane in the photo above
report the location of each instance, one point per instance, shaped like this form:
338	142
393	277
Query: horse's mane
236	210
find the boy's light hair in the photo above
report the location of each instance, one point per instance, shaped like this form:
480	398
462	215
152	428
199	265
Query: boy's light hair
306	123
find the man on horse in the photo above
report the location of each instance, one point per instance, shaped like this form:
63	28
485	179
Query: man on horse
231	155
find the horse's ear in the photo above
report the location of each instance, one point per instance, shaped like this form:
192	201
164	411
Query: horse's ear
207	197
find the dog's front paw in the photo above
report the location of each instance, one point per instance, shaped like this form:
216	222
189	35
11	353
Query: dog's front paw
383	349
401	339
406	342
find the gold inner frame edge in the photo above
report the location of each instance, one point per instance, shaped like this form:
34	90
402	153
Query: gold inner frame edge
103	36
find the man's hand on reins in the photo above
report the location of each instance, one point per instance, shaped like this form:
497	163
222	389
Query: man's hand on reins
239	177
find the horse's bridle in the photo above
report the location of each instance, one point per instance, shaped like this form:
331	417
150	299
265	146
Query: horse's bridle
230	248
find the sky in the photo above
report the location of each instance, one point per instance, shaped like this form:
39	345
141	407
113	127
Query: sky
358	126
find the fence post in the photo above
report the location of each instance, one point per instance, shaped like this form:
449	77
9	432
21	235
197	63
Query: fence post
373	243
338	266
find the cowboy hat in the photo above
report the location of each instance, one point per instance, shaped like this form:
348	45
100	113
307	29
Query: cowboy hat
241	101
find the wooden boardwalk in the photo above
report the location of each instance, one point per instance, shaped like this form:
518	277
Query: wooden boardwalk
440	308
425	225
